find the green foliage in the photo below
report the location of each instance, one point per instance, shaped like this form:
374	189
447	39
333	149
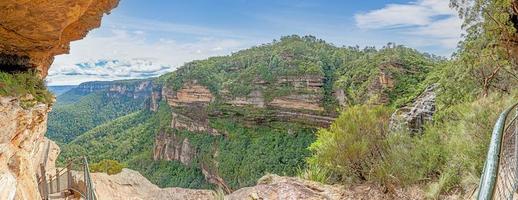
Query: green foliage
107	166
129	140
69	120
21	84
449	154
487	52
249	153
353	145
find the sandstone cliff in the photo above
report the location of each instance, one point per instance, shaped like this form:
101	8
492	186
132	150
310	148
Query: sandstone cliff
33	32
169	146
129	88
22	144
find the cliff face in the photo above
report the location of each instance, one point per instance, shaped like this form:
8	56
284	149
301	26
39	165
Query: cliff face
189	105
172	147
134	88
413	117
33	32
22	144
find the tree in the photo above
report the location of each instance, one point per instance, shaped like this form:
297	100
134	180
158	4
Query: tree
489	48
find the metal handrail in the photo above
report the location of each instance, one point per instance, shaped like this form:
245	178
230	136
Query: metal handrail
501	167
46	185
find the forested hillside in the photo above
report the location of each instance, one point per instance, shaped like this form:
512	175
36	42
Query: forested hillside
227	121
91	104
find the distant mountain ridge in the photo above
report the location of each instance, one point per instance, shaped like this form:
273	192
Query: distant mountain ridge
60	89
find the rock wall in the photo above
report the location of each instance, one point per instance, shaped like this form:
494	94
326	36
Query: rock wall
413	117
33	32
22	142
190	93
169	146
182	122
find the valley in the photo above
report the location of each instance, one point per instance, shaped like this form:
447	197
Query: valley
295	117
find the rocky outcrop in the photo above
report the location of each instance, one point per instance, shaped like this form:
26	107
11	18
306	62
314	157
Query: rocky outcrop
190	93
182	122
290	188
413	117
255	99
130	184
169	146
33	32
21	139
155	98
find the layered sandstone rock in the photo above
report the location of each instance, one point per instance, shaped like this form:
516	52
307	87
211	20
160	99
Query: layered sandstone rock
131	184
255	99
169	146
33	32
310	102
201	124
190	93
21	142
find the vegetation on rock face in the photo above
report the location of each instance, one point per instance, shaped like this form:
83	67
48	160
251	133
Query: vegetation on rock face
25	85
352	69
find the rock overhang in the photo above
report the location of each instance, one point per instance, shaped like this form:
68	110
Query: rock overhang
33	32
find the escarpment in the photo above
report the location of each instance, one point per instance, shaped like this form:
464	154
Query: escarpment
22	144
33	32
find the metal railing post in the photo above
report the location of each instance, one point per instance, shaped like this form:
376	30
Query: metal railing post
57	180
69	176
44	182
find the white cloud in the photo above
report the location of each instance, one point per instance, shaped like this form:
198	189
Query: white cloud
431	22
133	48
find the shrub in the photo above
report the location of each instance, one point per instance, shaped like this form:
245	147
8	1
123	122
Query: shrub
107	166
353	145
23	84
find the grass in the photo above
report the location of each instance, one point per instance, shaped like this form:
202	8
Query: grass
25	85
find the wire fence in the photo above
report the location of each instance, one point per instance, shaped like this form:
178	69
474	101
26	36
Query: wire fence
499	178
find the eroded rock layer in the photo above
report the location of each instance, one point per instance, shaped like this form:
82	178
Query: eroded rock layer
169	146
33	32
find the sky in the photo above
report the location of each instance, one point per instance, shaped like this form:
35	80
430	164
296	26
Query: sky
142	39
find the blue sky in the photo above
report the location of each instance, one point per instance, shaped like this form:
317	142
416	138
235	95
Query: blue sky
140	39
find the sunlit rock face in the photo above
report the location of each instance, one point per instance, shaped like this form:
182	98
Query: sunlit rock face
22	142
413	117
33	32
